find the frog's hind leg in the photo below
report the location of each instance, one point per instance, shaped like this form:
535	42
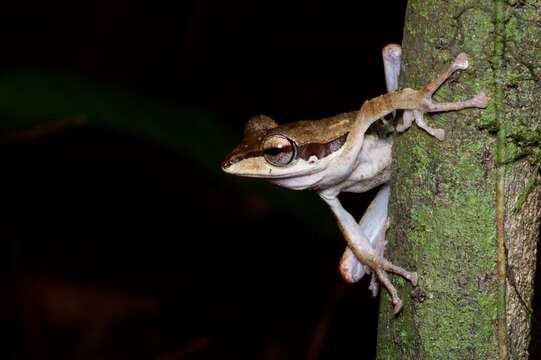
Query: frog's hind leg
373	225
366	253
391	54
352	270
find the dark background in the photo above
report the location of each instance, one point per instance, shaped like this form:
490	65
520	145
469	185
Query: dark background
121	239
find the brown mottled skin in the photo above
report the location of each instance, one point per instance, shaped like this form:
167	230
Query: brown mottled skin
302	132
325	130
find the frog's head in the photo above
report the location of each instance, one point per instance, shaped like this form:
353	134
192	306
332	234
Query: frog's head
273	151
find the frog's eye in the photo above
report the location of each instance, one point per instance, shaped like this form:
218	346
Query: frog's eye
279	150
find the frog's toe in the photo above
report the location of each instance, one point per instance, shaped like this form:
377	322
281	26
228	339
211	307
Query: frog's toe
374	285
413	278
397	306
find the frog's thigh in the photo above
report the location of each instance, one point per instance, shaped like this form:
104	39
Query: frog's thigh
372	226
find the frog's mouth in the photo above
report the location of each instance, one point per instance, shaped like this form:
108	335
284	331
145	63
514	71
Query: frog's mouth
258	168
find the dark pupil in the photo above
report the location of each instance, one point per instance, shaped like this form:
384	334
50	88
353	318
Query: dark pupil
275	151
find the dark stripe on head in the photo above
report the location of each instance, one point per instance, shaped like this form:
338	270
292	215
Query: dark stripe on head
304	151
321	150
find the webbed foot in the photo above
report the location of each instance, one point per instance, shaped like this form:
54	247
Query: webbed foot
381	273
478	101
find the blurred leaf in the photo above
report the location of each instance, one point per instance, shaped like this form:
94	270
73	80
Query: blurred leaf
36	101
32	98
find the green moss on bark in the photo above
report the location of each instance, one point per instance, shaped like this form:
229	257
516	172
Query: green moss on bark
443	210
443	200
443	220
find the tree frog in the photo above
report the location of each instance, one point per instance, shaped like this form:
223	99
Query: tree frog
343	154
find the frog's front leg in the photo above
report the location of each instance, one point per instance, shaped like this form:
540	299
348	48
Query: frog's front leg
417	115
365	253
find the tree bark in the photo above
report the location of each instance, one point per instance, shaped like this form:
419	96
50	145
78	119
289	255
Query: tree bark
465	212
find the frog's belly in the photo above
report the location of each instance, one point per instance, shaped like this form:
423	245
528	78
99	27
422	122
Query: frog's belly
374	169
371	170
359	186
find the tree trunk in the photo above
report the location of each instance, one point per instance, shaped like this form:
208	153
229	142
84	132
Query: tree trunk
465	212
